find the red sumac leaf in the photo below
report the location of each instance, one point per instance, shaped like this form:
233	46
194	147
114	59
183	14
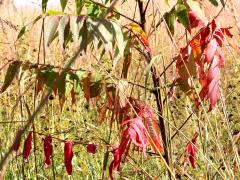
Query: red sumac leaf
27	146
137	134
68	155
154	134
115	164
47	146
194	20
190	151
91	148
211	50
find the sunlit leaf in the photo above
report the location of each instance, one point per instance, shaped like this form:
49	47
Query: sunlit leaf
119	37
93	9
103	29
51	30
194	5
122	87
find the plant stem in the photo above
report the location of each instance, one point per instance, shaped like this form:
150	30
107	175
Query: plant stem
156	84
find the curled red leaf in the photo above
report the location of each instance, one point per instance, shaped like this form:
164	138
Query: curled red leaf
190	151
68	155
27	146
91	148
138	134
47	146
115	164
119	152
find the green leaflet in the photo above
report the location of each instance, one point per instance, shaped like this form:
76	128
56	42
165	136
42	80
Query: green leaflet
147	72
104	31
170	18
49	76
26	28
84	37
119	37
95	84
11	72
121	44
79	6
22	32
182	14
44	5
214	2
93	10
63	4
76	78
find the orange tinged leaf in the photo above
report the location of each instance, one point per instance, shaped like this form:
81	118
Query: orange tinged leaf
151	125
196	48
